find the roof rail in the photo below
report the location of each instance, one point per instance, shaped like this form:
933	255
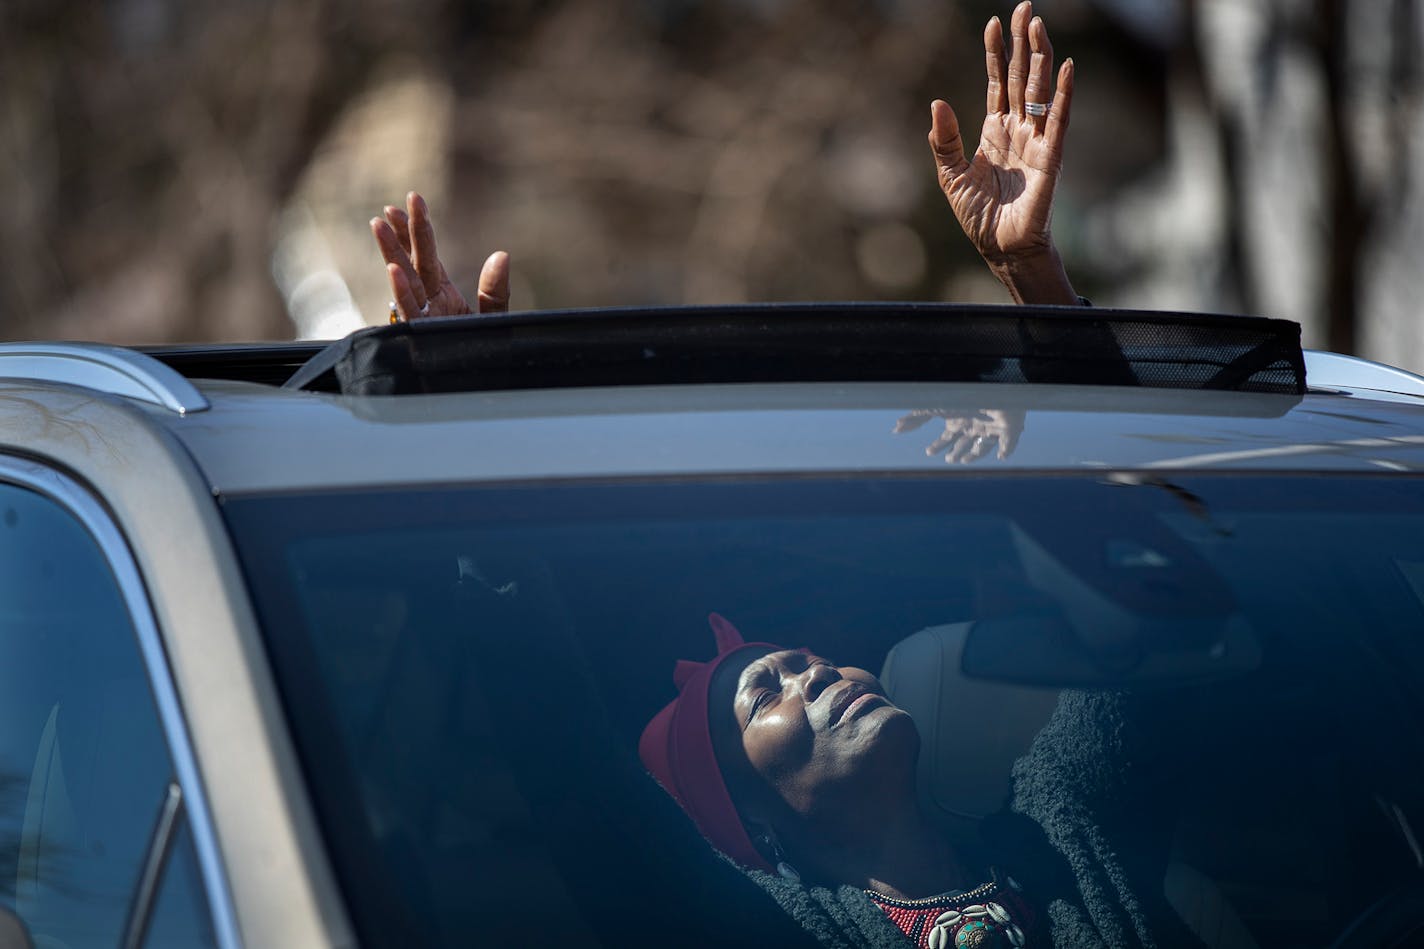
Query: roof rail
1326	370
110	369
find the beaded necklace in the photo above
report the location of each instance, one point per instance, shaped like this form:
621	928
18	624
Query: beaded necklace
992	916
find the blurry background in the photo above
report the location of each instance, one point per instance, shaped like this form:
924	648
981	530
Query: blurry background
201	170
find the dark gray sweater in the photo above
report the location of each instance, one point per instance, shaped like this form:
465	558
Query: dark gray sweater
1078	798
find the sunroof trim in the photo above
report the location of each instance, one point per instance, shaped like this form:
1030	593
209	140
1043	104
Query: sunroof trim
833	342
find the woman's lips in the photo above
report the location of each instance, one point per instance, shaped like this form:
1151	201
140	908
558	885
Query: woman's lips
862	704
852	699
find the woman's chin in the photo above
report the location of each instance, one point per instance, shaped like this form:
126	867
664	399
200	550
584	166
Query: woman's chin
887	733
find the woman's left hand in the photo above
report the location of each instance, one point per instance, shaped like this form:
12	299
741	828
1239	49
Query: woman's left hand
968	434
1003	197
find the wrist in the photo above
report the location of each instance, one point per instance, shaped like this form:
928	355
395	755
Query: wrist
1036	278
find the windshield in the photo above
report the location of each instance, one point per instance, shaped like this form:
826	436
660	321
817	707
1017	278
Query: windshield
1162	705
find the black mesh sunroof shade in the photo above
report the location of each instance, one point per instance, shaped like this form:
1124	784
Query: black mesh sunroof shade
814	343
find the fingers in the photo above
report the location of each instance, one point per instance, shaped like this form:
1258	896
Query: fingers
391	250
423	255
996	65
387	241
913	420
402	292
1057	127
1007	425
975	442
400	223
1008	441
979	446
1018	60
947	438
962	448
418	279
1039	70
946	142
493	296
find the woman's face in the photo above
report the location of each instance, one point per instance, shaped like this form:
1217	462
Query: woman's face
821	736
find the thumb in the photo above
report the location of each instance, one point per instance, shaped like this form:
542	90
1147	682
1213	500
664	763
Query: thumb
493	294
945	141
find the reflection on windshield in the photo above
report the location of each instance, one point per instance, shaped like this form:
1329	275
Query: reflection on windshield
1367	448
1127	710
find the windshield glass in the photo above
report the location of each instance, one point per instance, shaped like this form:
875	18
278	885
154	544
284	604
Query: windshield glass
1145	708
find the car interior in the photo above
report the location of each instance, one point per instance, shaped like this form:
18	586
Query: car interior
487	675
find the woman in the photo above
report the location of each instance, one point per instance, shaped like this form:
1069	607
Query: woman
1003	196
803	772
790	764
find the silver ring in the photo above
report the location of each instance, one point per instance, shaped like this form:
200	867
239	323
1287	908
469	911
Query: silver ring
425	310
1036	109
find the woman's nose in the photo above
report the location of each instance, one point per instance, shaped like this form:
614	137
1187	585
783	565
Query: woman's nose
816	679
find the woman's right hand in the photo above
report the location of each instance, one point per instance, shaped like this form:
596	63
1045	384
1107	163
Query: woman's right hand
419	285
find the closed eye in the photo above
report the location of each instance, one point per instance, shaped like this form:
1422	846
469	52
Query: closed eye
762	699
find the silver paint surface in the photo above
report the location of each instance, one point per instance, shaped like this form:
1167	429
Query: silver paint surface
257	439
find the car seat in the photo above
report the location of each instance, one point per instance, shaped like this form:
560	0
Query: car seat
971	733
971	730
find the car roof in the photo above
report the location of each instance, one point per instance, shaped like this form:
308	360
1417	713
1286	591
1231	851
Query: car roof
260	439
756	390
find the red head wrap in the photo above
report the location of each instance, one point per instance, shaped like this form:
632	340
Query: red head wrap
676	748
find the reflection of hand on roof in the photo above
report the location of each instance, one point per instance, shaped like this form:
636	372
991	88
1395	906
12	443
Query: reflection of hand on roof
419	285
968	433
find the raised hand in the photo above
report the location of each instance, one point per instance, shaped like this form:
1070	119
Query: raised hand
419	285
1003	196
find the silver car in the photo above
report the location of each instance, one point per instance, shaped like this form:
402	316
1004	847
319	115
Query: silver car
364	659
